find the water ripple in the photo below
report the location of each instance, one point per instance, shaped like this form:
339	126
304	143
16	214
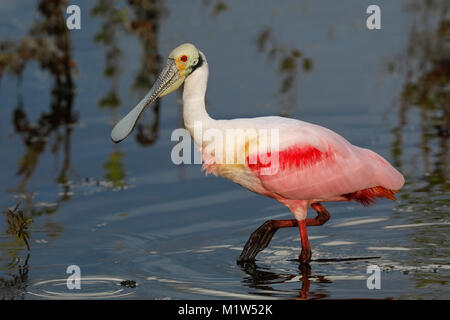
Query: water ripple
57	289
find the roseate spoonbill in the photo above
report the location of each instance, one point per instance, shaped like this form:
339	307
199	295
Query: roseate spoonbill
314	164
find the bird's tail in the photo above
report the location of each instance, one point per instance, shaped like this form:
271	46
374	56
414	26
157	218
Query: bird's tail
369	196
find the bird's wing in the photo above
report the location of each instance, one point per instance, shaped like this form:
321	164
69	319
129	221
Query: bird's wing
316	163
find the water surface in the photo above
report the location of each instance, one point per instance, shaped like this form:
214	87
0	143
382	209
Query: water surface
139	226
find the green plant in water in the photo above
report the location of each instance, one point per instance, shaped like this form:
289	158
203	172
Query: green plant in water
18	224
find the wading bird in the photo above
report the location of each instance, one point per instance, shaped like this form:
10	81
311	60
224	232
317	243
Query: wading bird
314	164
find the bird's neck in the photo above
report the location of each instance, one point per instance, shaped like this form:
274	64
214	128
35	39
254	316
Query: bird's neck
194	109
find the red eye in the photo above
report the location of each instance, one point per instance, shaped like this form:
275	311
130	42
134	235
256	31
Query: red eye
184	58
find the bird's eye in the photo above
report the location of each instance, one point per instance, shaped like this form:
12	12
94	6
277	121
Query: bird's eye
184	58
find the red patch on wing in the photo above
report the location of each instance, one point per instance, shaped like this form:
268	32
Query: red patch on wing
369	196
291	157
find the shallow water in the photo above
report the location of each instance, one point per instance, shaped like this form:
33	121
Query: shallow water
139	226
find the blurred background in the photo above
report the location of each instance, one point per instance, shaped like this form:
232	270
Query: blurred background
139	226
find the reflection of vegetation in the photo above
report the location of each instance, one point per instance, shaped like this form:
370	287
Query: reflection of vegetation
142	21
289	60
426	92
218	6
17	227
48	44
107	36
139	18
16	286
114	169
146	27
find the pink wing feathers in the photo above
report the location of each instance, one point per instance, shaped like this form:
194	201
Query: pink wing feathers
316	163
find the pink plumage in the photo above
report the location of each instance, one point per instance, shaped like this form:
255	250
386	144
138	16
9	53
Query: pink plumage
314	164
306	173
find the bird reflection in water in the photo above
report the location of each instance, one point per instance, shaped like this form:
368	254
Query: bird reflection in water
261	278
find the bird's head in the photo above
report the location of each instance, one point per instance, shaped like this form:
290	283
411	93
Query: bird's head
182	61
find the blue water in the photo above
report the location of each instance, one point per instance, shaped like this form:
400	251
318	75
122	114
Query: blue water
126	212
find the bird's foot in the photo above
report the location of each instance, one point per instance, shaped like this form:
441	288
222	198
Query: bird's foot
305	256
258	241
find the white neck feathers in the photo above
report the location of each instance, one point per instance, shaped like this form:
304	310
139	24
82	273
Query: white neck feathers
194	109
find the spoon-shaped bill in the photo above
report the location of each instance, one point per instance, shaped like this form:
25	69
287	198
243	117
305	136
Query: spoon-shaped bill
167	80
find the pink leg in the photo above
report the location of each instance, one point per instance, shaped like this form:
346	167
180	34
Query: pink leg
305	255
322	215
260	238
